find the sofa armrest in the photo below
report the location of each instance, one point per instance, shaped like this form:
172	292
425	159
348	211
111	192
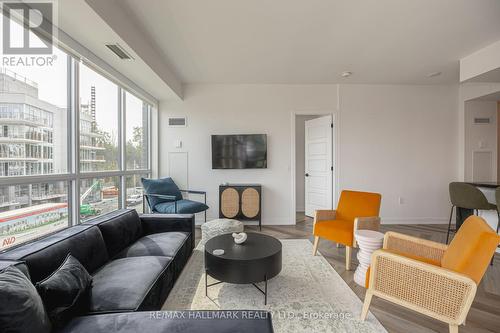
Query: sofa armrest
437	292
424	248
156	223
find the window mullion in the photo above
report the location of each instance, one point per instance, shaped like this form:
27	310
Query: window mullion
74	143
122	105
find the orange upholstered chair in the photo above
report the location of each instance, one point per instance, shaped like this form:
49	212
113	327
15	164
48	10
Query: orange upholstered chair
435	279
356	210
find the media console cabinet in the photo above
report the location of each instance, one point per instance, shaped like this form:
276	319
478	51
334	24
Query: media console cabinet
241	202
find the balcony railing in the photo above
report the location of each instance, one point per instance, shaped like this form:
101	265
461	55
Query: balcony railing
18	77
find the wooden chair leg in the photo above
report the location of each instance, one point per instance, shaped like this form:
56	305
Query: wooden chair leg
316	243
366	304
453	328
348	253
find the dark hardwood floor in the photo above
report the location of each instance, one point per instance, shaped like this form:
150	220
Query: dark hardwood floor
483	317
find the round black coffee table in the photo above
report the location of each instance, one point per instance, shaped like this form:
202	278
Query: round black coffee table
256	260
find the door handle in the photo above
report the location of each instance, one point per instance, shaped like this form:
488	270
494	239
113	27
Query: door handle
307	175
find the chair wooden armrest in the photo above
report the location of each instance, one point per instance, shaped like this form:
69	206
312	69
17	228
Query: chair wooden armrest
324	215
367	223
402	243
431	290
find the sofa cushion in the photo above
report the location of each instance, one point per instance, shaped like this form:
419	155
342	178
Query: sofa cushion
119	229
44	256
163	244
65	293
164	186
19	264
125	284
21	308
174	321
183	207
339	231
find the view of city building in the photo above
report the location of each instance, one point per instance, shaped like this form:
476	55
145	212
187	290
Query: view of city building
33	142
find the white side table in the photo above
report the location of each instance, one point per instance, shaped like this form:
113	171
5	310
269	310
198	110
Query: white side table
368	241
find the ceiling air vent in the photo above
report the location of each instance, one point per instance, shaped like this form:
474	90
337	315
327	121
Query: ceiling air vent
481	120
177	122
119	51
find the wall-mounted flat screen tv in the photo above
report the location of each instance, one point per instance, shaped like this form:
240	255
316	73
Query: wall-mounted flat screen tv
240	151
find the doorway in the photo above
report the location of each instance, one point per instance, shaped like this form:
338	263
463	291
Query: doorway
312	164
481	139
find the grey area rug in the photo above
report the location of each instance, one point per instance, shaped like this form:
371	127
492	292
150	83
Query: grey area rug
307	296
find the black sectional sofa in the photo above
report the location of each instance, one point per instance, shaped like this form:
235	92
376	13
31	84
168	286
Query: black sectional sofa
134	261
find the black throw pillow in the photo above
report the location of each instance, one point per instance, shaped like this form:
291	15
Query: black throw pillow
21	308
66	292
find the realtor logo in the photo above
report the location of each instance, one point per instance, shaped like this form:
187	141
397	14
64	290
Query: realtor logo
34	17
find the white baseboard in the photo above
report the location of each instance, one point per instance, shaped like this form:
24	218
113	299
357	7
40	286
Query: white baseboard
265	221
414	220
286	221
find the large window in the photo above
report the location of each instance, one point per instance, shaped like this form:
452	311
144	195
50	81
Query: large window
98	122
73	145
133	188
98	196
29	211
136	133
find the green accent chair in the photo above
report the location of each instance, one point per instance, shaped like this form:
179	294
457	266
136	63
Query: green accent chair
467	196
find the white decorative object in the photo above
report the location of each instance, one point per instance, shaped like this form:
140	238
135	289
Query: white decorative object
218	227
368	241
218	252
240	238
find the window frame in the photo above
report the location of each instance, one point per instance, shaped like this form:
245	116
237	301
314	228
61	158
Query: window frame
74	175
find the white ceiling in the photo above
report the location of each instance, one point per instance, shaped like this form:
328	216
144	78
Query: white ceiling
78	20
313	41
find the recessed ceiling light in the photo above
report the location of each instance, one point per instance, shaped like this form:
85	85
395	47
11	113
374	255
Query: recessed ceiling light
346	74
433	74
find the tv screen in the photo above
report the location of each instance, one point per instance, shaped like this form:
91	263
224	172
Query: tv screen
241	151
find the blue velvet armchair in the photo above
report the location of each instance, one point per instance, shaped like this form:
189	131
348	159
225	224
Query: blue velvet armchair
163	196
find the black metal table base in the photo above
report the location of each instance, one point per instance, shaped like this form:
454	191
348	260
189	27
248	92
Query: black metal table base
264	292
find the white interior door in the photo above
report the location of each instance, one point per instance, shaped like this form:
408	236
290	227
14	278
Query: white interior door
318	164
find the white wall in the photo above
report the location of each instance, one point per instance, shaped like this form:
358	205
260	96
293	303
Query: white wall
300	138
400	141
480	137
468	91
251	109
480	62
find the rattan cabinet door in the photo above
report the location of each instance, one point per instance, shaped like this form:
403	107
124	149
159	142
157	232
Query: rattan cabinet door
230	203
250	202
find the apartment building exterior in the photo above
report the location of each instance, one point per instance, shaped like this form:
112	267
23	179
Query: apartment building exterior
33	141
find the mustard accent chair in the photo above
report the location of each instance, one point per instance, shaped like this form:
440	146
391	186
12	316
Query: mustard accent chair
356	210
435	279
